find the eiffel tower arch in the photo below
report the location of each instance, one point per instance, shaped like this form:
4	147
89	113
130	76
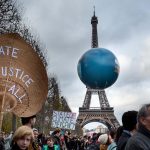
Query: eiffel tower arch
103	113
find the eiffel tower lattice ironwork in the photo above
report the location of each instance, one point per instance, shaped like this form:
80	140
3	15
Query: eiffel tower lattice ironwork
103	114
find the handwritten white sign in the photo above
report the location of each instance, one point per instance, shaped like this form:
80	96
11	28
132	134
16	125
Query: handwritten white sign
64	120
17	73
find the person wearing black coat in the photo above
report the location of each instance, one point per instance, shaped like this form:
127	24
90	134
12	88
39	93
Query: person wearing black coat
56	138
94	145
129	121
16	147
141	139
2	142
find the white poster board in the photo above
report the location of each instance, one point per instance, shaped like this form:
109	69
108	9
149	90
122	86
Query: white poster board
64	120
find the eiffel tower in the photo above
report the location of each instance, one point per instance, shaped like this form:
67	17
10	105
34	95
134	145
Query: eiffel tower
103	114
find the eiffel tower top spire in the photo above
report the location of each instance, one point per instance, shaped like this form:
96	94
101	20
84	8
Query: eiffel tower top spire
94	22
94	10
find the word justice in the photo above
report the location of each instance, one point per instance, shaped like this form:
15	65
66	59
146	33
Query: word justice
8	51
18	73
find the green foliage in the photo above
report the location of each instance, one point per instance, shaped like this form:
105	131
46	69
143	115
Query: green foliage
10	16
7	122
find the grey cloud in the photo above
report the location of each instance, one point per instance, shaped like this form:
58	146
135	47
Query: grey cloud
65	29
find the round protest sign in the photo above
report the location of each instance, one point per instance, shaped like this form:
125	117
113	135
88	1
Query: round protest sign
23	77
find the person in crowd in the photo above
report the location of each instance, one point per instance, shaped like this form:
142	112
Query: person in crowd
118	134
22	138
67	139
104	141
141	139
49	144
35	132
80	143
73	143
41	139
36	142
29	121
94	145
8	140
111	140
114	137
129	121
56	137
2	142
87	141
62	141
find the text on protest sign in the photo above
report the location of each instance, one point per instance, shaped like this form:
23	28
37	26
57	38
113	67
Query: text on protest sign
64	120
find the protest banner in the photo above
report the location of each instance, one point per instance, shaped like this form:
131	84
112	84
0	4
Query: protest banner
23	77
64	120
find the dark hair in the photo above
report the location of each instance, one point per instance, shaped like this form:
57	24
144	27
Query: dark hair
94	137
49	139
56	131
118	133
89	137
26	120
112	133
129	120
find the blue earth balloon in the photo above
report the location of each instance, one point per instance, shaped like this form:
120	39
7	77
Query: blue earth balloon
98	68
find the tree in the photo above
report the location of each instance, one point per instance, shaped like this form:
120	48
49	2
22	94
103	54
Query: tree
58	102
33	40
65	106
9	16
44	117
11	22
7	122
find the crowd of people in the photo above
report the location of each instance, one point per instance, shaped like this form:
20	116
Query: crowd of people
134	134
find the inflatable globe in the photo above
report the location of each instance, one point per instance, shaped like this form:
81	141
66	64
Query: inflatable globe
98	68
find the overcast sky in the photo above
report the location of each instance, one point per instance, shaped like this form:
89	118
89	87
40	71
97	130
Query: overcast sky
124	28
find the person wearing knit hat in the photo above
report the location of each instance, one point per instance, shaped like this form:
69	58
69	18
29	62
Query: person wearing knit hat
103	140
